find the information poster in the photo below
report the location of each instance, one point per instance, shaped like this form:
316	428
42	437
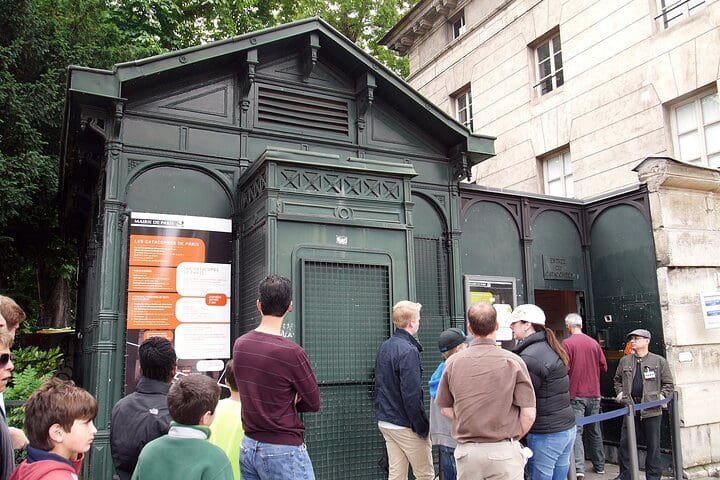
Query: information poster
179	288
710	303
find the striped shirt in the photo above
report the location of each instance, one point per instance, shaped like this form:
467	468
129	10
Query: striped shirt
275	382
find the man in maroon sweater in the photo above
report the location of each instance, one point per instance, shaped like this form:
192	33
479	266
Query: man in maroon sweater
586	362
275	382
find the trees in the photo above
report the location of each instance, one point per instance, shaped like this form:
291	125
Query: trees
40	38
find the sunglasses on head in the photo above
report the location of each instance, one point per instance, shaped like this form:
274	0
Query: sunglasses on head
5	359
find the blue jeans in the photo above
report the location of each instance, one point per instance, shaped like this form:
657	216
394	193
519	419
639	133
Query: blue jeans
551	454
268	461
586	407
447	463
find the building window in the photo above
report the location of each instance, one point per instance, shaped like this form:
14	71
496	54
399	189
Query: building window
458	25
548	58
674	11
696	130
463	108
557	170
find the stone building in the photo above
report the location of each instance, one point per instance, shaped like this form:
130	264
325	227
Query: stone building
580	95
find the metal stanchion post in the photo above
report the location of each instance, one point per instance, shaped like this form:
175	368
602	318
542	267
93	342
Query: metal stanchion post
632	443
677	445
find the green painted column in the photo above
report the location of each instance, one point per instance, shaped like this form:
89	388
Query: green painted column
457	305
527	241
103	373
409	242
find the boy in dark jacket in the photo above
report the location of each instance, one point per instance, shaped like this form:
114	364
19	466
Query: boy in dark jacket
185	452
59	424
143	416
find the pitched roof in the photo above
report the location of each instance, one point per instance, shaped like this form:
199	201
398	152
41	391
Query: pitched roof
107	85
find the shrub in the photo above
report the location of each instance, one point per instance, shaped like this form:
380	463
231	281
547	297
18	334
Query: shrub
32	367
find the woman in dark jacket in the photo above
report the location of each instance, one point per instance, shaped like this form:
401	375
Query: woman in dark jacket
552	436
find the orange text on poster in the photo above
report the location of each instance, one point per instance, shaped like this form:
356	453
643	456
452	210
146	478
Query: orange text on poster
155	251
152	311
151	279
215	299
158	333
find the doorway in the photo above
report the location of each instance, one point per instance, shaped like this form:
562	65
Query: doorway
556	304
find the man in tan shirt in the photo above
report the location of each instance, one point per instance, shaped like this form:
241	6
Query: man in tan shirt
488	394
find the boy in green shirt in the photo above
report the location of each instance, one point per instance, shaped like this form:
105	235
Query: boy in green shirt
185	452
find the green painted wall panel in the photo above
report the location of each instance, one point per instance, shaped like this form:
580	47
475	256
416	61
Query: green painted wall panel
555	235
179	191
490	244
624	278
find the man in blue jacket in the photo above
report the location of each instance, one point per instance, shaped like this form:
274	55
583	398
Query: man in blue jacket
399	397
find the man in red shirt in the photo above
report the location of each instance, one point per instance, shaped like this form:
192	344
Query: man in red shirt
586	362
276	383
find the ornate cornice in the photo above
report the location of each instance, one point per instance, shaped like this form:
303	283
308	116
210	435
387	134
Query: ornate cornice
417	23
666	172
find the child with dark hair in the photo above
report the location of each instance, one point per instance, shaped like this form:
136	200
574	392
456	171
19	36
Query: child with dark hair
59	423
185	452
143	416
226	428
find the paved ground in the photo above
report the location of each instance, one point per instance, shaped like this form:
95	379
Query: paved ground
611	471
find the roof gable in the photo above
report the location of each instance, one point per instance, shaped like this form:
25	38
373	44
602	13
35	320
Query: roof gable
104	88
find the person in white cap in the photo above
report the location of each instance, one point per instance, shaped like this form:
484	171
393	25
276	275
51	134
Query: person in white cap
552	436
643	377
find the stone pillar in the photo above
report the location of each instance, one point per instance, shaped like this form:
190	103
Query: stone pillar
685	210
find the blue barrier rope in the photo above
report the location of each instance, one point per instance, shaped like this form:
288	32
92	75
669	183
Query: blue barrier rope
656	403
601	417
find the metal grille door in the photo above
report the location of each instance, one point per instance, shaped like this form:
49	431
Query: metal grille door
431	284
345	318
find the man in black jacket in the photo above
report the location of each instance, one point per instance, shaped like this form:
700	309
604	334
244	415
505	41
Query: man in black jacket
399	397
143	415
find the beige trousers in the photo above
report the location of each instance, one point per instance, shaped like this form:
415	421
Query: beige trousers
404	448
492	460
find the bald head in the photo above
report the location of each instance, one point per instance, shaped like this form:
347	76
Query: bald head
482	319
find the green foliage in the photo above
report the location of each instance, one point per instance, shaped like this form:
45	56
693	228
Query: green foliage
362	21
40	38
32	367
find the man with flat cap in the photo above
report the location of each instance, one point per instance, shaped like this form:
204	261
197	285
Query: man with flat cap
642	377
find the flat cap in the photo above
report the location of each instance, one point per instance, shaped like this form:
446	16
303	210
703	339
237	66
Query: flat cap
640	332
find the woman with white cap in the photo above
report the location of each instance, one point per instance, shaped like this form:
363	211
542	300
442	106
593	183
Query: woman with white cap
552	436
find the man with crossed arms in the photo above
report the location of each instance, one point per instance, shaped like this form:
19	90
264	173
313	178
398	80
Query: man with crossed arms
488	394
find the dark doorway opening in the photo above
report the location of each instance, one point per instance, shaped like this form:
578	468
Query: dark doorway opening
556	304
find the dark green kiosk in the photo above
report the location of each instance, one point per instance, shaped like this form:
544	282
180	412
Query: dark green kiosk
309	159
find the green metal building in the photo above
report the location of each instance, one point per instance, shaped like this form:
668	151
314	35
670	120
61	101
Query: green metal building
337	174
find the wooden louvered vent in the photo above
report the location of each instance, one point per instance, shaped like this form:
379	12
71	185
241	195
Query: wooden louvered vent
302	112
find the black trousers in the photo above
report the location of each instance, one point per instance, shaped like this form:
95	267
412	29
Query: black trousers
649	431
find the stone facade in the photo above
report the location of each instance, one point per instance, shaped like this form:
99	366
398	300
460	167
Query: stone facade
685	208
624	72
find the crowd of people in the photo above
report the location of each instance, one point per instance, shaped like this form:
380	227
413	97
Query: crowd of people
512	415
494	413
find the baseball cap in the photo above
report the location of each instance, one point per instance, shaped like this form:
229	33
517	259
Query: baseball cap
529	313
451	338
640	332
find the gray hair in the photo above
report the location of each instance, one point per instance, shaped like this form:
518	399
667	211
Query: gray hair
573	320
